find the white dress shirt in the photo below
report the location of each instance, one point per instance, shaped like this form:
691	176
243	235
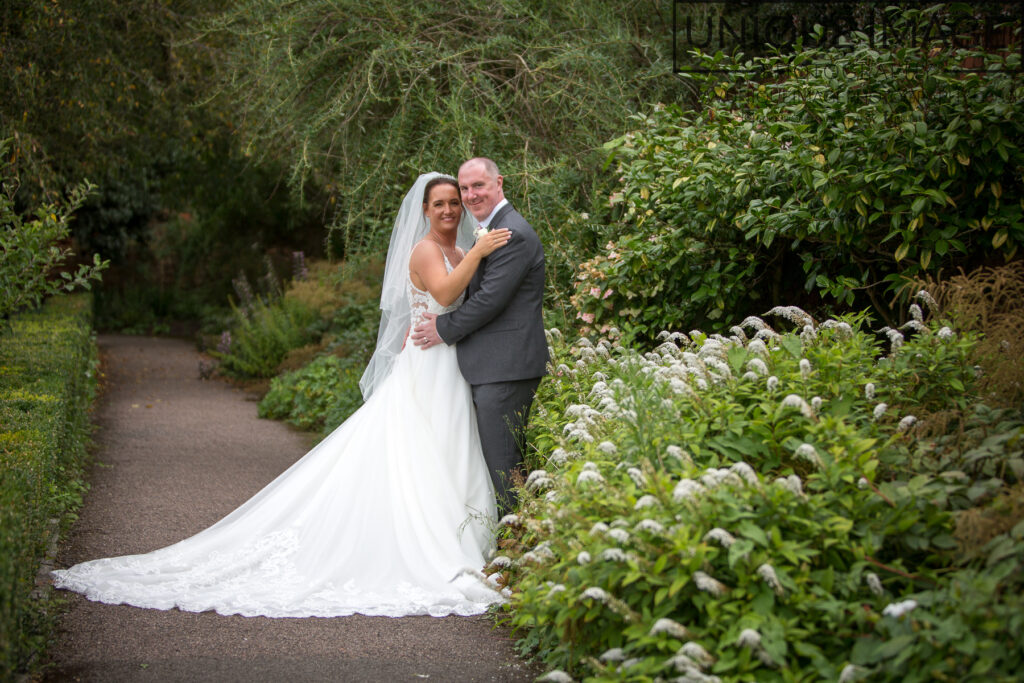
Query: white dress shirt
485	223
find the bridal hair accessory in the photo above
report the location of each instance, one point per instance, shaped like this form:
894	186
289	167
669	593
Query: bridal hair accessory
480	232
411	226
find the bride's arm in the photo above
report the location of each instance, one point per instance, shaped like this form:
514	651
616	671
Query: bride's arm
427	270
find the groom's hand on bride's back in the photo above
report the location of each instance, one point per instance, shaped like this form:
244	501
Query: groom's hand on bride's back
425	334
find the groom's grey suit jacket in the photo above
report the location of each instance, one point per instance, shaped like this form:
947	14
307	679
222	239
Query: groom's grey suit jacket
499	329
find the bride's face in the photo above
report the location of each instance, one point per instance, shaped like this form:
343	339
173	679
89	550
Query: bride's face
443	208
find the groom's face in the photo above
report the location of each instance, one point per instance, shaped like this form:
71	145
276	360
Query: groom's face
481	191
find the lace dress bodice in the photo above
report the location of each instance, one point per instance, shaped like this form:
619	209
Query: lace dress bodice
421	302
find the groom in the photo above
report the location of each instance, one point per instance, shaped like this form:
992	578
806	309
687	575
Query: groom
499	330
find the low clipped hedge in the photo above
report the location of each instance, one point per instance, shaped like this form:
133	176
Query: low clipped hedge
47	382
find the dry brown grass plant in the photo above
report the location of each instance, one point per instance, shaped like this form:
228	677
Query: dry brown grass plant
977	526
988	300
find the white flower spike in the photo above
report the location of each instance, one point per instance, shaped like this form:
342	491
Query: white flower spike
898	609
671	628
686	489
851	673
767	572
650	525
795	401
723	537
757	346
620	535
509	520
638	477
791	483
557	588
697	653
749	638
746	473
613	555
929	300
616	654
501	562
874	583
709	584
757	365
809	453
646	501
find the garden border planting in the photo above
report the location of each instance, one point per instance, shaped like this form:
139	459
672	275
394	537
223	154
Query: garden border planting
48	369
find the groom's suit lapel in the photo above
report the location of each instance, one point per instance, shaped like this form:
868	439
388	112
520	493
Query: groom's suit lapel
474	282
500	216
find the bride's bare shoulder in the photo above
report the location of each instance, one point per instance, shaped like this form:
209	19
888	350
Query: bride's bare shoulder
426	250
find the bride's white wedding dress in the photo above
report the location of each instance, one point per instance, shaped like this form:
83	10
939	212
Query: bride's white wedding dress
380	518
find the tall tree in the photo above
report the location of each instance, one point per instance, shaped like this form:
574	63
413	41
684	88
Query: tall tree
362	95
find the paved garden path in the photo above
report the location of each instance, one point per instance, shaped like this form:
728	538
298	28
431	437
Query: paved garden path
175	454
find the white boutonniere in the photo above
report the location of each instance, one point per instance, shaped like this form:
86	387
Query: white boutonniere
480	232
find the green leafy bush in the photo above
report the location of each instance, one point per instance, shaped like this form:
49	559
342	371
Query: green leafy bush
322	394
331	308
750	508
32	250
47	382
838	172
265	328
263	332
319	396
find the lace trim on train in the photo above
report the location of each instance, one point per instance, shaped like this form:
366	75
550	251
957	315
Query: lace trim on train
223	582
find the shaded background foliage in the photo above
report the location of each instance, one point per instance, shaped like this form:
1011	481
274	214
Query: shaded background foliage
102	91
830	178
263	121
225	138
221	133
359	98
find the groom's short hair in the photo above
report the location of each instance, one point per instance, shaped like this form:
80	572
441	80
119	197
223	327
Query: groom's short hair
489	165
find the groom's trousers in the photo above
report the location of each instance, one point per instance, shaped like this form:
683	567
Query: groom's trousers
502	409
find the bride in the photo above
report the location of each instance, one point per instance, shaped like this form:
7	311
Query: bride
392	512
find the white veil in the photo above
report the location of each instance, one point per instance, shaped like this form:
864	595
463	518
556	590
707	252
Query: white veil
411	226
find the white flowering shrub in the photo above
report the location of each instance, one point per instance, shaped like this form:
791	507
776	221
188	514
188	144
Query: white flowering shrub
704	524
